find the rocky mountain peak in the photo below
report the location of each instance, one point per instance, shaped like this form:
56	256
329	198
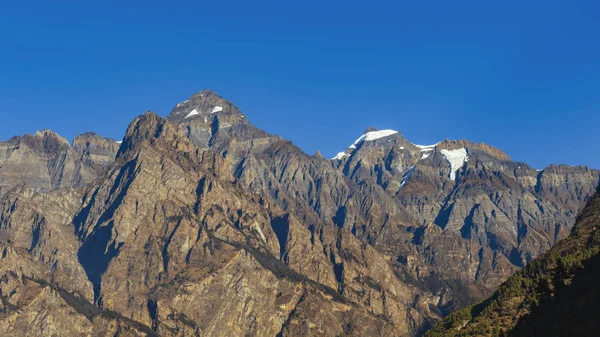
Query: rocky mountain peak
48	135
203	106
206	93
369	129
210	120
151	127
94	140
372	135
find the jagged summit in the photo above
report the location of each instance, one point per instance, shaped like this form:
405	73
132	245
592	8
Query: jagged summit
203	106
151	127
205	93
209	119
369	129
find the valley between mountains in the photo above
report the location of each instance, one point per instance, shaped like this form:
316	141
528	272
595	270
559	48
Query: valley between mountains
202	224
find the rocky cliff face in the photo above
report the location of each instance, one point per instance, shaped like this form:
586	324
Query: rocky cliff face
46	161
555	295
204	225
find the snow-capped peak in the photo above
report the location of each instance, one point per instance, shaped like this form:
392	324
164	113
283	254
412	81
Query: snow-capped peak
367	137
456	158
406	176
373	135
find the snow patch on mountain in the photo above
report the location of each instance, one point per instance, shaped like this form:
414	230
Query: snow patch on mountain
374	135
407	176
457	158
426	147
192	113
426	150
216	109
339	156
260	232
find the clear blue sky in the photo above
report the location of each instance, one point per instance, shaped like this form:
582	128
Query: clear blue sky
522	75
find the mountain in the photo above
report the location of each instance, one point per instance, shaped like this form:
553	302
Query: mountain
493	214
165	239
46	161
202	224
555	295
411	202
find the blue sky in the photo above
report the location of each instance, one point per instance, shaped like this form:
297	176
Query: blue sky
522	77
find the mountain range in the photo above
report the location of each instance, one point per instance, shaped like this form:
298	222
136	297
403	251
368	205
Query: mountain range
201	224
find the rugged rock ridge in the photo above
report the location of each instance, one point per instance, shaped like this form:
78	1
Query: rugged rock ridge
555	295
46	161
493	214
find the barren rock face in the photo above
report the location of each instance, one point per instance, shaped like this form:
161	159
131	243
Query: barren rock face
203	225
46	161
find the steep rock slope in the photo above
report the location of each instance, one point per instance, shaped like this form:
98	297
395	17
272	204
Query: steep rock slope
555	295
44	291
